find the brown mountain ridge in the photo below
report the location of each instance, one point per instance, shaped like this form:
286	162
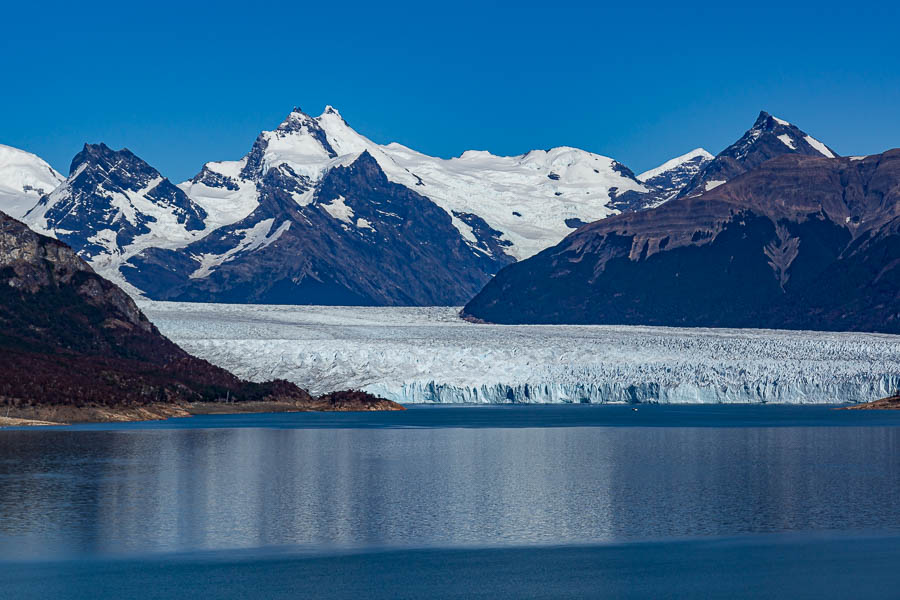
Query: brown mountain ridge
800	242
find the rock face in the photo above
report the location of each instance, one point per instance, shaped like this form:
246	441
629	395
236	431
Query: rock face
801	242
70	337
769	137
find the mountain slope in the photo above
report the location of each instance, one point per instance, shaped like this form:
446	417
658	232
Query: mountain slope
668	179
664	182
70	338
530	199
24	178
801	242
769	137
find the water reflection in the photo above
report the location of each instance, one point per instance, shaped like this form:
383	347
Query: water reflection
111	492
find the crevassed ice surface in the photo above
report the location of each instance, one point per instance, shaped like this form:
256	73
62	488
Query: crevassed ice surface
415	355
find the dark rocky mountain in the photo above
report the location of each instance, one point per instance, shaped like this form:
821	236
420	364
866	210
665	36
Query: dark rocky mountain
800	242
359	239
111	198
69	337
769	137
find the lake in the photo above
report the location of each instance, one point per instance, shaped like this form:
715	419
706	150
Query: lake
515	501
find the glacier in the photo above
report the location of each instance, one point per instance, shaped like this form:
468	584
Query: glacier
430	355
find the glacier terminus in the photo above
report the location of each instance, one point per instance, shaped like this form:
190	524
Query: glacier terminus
430	355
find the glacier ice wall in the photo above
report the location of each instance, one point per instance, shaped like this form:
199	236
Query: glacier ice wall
414	355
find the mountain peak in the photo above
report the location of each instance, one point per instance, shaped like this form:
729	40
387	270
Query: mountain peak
112	198
331	113
762	118
295	121
768	122
102	155
769	137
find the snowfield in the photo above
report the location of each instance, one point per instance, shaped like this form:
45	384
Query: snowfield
415	355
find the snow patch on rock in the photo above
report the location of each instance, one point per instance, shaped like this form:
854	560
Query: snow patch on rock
819	146
339	210
787	141
256	237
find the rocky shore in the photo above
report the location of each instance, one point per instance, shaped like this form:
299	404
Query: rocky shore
62	414
891	403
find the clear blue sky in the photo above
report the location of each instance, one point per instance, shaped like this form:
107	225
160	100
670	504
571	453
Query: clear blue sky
182	83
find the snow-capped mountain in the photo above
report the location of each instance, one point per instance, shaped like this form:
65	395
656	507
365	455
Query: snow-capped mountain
113	205
24	178
406	228
355	238
317	213
532	200
769	137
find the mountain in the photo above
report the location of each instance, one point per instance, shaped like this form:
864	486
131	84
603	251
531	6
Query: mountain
317	213
356	239
800	242
664	182
769	137
113	205
71	338
24	178
526	202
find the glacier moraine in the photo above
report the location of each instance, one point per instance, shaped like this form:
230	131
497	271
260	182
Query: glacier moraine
414	355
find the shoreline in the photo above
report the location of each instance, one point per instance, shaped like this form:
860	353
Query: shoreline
891	403
61	415
55	416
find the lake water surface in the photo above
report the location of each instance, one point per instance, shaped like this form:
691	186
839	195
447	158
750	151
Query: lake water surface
606	494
